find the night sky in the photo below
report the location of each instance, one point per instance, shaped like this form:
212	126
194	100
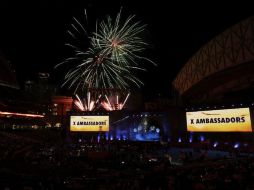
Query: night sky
33	33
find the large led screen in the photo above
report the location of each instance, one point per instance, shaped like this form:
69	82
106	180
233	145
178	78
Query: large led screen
141	127
89	123
225	120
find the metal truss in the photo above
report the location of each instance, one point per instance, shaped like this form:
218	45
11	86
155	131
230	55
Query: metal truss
233	47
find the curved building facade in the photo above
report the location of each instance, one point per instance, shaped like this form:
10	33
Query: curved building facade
221	69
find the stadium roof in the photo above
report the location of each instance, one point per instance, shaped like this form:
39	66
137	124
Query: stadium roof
225	63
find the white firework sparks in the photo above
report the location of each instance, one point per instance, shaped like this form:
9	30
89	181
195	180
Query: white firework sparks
115	103
88	104
112	56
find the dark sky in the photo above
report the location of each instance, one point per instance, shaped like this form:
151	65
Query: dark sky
33	33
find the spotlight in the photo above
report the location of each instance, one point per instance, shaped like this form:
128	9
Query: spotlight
107	136
215	144
236	145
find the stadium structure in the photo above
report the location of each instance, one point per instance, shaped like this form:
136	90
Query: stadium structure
15	107
222	70
218	76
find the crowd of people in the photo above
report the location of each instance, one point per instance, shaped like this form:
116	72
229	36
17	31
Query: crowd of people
30	162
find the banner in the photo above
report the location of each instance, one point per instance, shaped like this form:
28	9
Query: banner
226	120
89	123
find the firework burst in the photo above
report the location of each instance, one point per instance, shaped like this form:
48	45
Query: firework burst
88	104
114	102
121	41
112	55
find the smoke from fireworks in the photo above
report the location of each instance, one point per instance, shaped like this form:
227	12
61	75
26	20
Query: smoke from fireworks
112	56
